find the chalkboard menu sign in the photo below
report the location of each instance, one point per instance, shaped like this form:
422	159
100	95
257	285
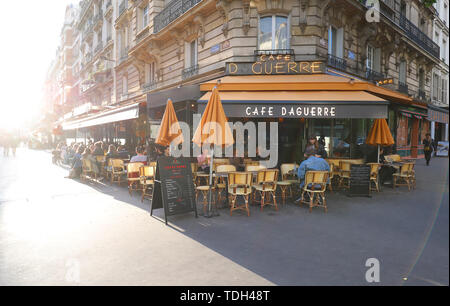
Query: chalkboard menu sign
359	181
174	187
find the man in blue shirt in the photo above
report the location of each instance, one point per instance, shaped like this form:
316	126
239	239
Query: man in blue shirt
312	163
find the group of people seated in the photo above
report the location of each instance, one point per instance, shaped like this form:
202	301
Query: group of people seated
74	155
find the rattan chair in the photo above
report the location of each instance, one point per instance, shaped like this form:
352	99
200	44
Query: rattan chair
405	176
315	186
220	181
147	180
117	170
86	169
287	180
344	174
133	178
239	184
266	186
374	170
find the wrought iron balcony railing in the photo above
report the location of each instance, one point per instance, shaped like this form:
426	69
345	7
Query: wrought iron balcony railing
337	62
373	75
420	38
402	87
172	11
149	86
189	72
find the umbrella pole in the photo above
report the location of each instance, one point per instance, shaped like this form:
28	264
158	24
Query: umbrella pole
208	214
378	160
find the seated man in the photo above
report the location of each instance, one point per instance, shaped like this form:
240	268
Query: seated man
312	163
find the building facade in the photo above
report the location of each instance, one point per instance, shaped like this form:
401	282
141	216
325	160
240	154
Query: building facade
168	49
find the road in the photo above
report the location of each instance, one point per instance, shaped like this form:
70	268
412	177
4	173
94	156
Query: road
56	231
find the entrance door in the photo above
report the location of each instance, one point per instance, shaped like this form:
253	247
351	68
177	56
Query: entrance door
415	138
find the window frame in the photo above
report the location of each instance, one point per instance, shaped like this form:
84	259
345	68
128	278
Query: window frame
288	19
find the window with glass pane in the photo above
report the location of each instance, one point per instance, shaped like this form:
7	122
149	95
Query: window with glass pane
342	138
321	129
332	40
145	17
273	33
370	52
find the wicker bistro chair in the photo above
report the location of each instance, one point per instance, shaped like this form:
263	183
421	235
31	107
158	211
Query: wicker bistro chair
133	176
405	176
265	186
344	174
117	170
203	190
287	180
239	184
86	169
147	180
254	169
374	170
315	186
101	161
220	181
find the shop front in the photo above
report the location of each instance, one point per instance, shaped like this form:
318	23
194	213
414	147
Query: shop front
336	110
124	125
438	118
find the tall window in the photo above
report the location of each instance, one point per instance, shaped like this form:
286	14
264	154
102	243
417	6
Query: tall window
273	32
370	57
124	85
402	72
145	16
336	41
373	61
444	91
444	50
149	73
436	82
191	50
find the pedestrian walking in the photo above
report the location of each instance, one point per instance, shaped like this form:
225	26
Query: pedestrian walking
428	147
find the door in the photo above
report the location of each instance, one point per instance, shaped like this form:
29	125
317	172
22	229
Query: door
415	138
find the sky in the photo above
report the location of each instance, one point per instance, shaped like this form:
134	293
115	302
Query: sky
30	34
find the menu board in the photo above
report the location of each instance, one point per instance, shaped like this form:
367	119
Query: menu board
174	187
359	181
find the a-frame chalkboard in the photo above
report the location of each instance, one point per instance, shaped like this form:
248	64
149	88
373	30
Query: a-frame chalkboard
359	181
174	187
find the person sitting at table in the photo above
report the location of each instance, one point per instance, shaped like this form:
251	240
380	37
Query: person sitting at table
203	161
98	151
140	157
311	163
87	155
122	152
386	170
76	168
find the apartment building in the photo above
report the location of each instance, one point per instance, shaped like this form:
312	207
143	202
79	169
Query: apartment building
439	128
177	49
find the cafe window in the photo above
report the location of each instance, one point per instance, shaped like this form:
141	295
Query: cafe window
342	137
273	32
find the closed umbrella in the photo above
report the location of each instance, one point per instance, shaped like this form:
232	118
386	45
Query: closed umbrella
170	128
213	130
380	135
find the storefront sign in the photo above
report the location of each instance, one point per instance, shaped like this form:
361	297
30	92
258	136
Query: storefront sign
275	64
319	110
442	148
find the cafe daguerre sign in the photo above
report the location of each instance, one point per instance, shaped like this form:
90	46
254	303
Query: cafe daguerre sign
275	64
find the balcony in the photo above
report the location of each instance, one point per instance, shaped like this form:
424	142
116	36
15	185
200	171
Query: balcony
189	72
403	88
142	34
274	52
420	38
373	75
149	86
172	11
337	62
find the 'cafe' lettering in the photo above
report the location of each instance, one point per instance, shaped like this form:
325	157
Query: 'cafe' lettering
291	111
275	64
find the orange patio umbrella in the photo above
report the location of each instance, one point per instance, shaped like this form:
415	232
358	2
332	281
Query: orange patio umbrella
213	130
170	128
380	135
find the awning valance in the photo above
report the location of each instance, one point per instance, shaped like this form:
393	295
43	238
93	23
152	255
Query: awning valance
437	114
119	114
300	104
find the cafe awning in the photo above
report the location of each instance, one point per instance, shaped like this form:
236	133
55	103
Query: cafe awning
119	114
299	104
437	114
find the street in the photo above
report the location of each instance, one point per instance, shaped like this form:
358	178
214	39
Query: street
57	231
